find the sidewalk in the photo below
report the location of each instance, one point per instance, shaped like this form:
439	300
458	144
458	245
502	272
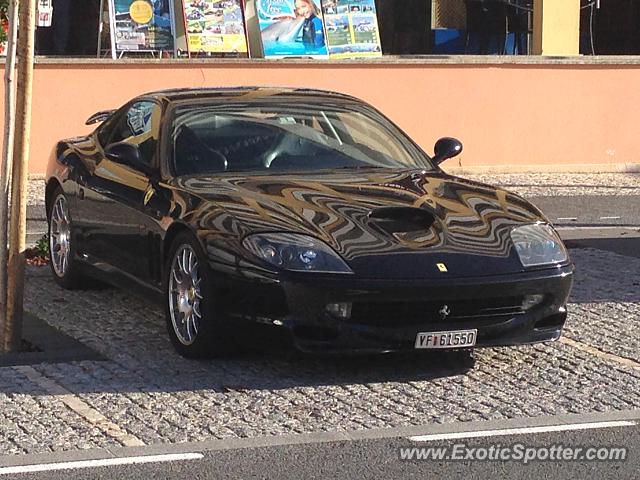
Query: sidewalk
565	184
143	393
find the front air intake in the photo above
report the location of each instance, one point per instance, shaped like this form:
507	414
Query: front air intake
401	219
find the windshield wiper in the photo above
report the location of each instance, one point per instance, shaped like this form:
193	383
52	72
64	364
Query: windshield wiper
358	167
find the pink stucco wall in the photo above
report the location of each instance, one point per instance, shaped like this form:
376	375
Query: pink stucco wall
509	116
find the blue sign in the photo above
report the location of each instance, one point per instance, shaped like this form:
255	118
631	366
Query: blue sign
292	28
150	32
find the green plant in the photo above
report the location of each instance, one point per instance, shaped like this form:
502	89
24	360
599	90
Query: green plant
42	246
4	10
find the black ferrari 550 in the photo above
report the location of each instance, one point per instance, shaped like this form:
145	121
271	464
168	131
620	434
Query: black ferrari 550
307	213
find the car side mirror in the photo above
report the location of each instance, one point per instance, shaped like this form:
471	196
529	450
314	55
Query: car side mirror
445	149
99	117
125	153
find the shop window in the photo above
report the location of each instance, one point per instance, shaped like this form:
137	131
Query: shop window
456	27
73	30
482	27
405	26
610	27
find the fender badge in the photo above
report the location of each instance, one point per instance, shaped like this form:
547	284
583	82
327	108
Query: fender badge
442	267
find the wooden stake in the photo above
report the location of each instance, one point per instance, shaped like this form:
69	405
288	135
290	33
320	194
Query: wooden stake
7	154
12	333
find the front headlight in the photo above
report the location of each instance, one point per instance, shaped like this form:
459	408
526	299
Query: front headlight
538	244
295	252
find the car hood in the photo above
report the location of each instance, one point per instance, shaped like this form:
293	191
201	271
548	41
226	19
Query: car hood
384	223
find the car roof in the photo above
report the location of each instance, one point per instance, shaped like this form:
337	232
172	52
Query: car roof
235	94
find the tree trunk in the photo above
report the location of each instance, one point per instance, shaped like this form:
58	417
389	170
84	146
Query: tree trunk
7	153
12	333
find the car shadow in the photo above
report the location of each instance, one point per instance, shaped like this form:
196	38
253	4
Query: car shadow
606	274
289	368
251	370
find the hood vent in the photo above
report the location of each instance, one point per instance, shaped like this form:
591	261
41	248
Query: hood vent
401	219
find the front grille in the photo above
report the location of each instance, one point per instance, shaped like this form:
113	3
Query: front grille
389	314
263	300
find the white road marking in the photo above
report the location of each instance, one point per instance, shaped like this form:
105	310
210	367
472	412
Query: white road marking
76	404
105	462
567	218
604	228
627	362
521	431
610	218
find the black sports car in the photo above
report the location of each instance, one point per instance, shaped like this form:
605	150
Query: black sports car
302	212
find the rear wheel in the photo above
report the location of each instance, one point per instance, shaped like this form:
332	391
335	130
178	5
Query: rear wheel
195	328
61	247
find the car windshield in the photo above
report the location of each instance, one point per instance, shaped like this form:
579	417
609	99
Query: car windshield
287	137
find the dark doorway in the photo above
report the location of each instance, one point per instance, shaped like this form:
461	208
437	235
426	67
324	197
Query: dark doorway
73	31
615	26
405	26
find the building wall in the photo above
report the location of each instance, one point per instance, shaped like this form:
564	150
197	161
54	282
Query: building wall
529	116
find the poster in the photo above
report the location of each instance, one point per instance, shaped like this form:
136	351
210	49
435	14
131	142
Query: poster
141	25
352	28
292	28
44	13
215	26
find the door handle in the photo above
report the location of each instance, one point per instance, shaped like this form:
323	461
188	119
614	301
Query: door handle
81	194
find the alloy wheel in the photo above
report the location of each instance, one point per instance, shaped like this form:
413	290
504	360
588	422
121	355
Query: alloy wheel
184	294
60	236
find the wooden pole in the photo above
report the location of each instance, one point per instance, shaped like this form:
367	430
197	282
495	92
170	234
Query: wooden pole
17	225
7	153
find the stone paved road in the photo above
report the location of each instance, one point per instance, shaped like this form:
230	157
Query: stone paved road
564	184
33	421
156	396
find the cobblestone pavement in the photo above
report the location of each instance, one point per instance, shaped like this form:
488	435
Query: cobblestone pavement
156	396
32	421
606	303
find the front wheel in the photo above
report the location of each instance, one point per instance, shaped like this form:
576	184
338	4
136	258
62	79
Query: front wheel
61	247
195	328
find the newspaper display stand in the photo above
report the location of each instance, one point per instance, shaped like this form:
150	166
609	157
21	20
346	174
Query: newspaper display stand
352	28
215	28
140	26
292	28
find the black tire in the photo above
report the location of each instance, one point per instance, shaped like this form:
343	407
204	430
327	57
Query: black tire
464	359
211	339
70	277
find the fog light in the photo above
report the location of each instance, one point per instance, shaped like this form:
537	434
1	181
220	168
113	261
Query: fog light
341	310
530	301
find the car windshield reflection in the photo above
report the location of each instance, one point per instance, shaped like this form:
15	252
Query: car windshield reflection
210	139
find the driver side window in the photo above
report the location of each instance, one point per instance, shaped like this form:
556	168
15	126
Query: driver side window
137	126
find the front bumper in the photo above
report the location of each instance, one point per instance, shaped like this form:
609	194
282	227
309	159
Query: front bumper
387	315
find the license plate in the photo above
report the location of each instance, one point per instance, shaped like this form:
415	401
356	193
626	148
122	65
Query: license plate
448	339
